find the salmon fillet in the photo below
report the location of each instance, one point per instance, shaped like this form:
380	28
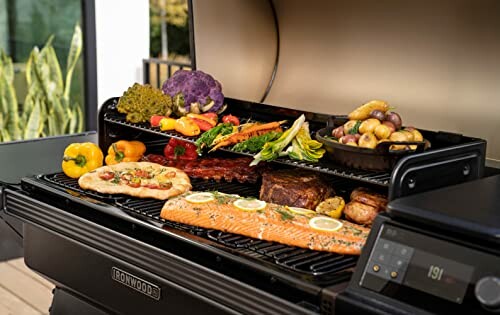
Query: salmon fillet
274	223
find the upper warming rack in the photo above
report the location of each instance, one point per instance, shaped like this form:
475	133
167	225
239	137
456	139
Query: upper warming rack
324	166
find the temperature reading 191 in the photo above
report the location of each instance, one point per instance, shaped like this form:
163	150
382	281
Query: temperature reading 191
435	272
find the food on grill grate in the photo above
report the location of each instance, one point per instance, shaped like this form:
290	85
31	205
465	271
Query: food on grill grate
257	129
272	223
228	169
360	213
140	102
364	206
138	179
294	188
369	197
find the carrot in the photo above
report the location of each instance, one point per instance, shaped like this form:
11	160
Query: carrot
255	130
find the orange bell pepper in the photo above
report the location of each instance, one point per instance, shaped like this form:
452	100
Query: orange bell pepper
125	151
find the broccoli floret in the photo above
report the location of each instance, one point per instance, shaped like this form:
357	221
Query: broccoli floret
194	91
140	102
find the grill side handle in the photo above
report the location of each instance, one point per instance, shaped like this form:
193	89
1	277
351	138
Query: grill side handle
438	168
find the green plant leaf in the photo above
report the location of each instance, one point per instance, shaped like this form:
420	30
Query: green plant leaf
32	128
7	66
12	108
80	118
74	53
49	56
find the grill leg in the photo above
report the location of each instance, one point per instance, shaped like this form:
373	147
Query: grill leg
66	303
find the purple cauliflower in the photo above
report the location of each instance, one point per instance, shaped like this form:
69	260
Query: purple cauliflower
194	91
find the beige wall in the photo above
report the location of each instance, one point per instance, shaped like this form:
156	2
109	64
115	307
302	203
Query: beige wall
438	62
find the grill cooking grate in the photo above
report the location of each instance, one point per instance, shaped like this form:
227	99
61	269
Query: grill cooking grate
327	167
299	259
303	260
62	180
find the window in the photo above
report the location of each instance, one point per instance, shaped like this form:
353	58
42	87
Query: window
45	91
169	40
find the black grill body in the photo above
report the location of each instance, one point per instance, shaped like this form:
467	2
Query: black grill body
97	247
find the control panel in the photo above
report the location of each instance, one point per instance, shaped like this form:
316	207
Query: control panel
413	267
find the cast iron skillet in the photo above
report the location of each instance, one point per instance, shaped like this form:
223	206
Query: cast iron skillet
382	158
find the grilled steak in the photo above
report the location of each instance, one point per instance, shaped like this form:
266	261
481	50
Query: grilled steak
297	188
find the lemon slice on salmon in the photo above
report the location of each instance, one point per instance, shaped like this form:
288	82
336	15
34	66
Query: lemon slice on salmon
301	211
325	224
200	197
249	204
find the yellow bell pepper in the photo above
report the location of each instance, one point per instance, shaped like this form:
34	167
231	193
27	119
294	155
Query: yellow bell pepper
125	151
80	158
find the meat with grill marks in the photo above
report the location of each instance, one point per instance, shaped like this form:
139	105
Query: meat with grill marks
295	188
364	206
228	169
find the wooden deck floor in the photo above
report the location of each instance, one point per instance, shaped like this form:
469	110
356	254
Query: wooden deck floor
22	291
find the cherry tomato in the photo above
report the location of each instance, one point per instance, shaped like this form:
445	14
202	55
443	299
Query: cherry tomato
106	175
134	182
151	186
142	174
231	119
165	186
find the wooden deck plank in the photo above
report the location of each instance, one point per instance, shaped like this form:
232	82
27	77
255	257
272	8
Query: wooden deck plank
21	266
29	291
10	304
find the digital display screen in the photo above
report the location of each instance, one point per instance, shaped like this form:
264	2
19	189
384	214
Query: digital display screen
438	276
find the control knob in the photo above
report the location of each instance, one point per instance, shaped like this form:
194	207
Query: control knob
487	292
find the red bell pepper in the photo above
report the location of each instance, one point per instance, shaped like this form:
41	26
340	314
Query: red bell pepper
180	150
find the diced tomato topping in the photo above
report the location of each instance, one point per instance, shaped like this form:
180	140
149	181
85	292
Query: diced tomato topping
165	186
134	182
106	175
142	174
152	186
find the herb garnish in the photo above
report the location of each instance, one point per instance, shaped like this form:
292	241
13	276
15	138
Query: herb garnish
116	179
285	215
354	130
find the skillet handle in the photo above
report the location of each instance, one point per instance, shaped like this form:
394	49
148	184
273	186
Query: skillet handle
384	147
336	121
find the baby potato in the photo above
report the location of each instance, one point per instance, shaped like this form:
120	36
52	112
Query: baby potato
398	136
382	131
409	135
367	140
369	125
348	139
349	125
338	132
417	136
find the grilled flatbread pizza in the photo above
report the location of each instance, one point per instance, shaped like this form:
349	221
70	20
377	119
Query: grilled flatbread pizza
138	179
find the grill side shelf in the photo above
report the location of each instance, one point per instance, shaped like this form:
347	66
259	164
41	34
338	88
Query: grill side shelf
324	166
